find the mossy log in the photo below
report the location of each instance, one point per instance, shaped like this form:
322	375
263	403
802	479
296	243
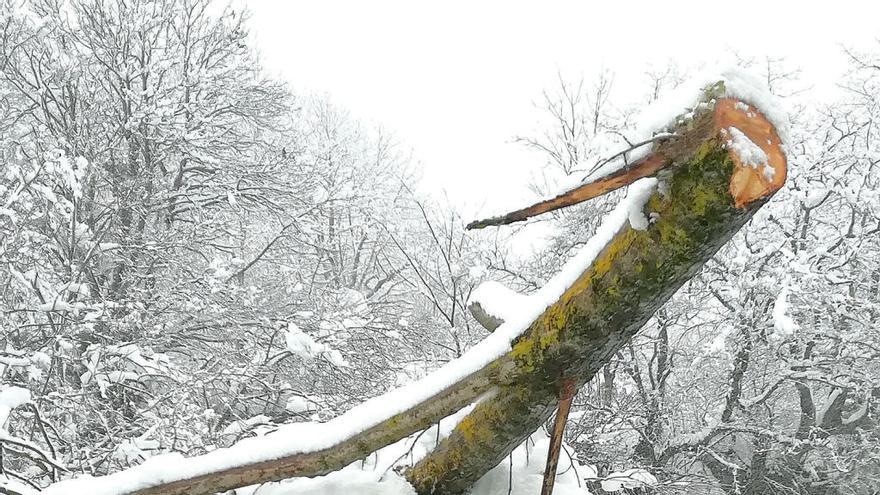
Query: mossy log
707	195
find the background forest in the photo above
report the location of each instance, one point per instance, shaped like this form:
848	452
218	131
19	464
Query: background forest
190	254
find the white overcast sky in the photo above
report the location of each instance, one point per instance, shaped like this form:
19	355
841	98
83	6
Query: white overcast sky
457	80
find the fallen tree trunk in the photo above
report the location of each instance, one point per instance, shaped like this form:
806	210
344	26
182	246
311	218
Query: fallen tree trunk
708	193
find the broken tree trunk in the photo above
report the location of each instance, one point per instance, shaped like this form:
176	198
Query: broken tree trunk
707	193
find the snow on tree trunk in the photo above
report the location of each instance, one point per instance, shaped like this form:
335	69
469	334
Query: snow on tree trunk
707	193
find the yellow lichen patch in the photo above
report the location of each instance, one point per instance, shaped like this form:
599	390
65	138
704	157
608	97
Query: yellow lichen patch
547	339
392	421
656	203
704	150
703	196
613	289
469	428
476	428
605	260
672	234
522	353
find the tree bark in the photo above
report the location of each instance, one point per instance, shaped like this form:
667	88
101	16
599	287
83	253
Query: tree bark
708	194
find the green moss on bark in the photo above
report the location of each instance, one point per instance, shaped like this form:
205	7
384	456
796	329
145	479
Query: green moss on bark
635	274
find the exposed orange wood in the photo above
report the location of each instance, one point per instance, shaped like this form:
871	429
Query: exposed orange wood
749	183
